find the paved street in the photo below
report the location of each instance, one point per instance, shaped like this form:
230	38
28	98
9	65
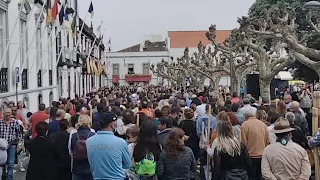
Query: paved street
20	175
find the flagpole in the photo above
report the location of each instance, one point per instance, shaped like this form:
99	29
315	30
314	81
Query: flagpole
25	31
8	44
94	41
32	39
81	29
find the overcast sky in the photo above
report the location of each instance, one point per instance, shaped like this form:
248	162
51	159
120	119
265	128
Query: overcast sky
127	21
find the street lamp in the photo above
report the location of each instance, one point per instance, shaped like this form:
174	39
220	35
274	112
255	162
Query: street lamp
312	5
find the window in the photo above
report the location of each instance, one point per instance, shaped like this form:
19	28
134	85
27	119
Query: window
130	68
93	83
3	36
24	79
39	78
145	68
24	43
115	69
50	77
40	100
4	80
39	47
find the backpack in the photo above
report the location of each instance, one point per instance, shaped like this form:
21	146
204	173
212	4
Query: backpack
80	151
146	167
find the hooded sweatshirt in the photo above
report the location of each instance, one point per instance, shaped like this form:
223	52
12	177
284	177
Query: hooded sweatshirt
3	151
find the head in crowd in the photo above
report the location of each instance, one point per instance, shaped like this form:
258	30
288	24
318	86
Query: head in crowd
223	116
265	101
14	110
84	121
193	107
7	112
234	95
11	104
157	113
147	142
261	115
63	125
127	117
116	110
287	98
205	100
144	103
225	139
174	143
42	107
100	107
165	122
21	105
41	128
290	117
281	107
246	101
175	113
235	107
29	114
142	117
249	113
60	114
108	121
53	113
78	108
233	118
188	113
273	117
165	110
295	106
132	134
68	107
282	128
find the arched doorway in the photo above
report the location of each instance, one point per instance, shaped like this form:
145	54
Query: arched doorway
40	99
26	102
50	98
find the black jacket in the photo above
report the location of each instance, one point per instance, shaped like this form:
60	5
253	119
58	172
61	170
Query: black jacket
61	138
43	160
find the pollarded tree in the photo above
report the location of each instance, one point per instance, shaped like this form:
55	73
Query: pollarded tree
235	57
281	23
269	63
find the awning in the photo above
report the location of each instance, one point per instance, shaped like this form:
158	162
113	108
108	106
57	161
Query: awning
284	75
88	66
95	69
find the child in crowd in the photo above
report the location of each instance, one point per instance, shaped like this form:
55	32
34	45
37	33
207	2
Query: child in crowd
131	137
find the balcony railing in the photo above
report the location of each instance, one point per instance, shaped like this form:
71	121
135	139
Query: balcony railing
115	78
138	78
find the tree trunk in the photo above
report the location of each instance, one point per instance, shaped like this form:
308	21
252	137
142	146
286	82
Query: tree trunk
265	88
236	85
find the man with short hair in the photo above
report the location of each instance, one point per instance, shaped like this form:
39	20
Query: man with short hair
10	131
108	155
247	107
165	125
235	109
255	136
299	120
297	135
36	117
285	159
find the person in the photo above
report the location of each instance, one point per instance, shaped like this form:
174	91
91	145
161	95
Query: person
61	139
38	117
262	116
255	136
43	155
285	159
299	120
3	155
189	126
230	158
235	109
176	160
247	107
235	98
127	119
77	148
11	132
297	135
201	109
108	155
165	125
147	111
146	152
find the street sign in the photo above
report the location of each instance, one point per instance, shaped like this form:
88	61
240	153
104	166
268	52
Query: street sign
17	75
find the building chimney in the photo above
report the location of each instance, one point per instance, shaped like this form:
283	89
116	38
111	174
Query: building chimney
168	43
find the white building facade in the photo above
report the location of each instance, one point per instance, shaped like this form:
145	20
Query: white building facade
26	44
132	65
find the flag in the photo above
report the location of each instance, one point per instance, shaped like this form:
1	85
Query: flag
55	10
99	28
66	22
109	42
61	15
73	27
49	12
69	10
90	10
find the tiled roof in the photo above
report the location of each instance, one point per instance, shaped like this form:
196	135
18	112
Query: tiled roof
183	39
148	46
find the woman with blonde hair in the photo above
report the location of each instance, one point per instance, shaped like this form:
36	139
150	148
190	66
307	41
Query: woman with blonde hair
231	158
263	116
80	166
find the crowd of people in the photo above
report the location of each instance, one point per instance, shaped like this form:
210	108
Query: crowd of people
155	132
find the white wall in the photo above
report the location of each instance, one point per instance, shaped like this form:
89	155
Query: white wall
30	94
136	58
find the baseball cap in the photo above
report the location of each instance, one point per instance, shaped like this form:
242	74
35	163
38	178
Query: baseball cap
108	117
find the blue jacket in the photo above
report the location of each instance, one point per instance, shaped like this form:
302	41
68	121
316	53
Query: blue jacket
108	155
204	119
